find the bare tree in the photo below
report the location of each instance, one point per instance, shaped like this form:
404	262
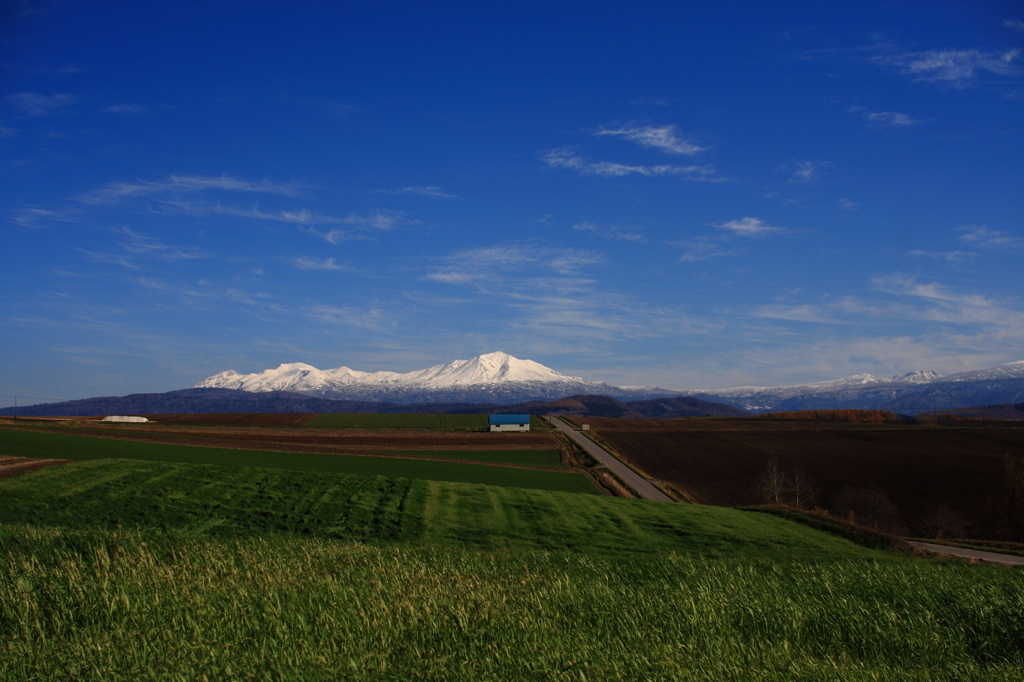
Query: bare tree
803	492
773	483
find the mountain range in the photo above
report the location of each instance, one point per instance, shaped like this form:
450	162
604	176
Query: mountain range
496	380
500	378
920	391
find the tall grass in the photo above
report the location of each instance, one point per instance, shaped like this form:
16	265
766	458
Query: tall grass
120	605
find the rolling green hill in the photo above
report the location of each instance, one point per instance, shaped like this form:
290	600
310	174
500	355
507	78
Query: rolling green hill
118	569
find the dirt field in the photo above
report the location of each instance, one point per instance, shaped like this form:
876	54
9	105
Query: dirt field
341	441
289	419
12	466
920	469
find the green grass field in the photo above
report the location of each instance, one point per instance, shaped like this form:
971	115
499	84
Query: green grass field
234	501
120	605
121	569
430	422
60	446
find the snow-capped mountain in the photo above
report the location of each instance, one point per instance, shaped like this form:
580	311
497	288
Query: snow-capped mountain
1011	370
909	393
852	383
502	379
494	377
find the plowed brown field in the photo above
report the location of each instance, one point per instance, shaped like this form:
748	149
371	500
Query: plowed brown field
235	419
744	424
920	468
319	440
12	466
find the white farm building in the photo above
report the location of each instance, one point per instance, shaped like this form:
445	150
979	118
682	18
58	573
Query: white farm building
510	422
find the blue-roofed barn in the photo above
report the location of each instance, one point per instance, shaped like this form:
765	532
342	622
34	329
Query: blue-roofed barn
510	422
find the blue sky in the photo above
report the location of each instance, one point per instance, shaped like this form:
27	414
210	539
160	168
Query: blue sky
691	195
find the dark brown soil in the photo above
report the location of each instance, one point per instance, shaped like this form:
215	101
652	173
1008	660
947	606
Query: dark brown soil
12	466
234	419
919	468
320	439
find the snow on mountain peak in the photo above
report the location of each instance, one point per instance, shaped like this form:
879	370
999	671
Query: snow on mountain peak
917	377
1011	370
490	368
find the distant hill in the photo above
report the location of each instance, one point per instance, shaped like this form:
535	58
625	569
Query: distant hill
215	400
1007	411
225	400
674	408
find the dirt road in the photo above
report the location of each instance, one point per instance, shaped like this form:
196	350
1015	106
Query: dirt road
633	479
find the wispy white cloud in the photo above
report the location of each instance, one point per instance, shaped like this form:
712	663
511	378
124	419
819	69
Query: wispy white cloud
981	235
951	256
377	220
153	283
493	263
570	260
566	157
700	249
140	244
953	67
33	216
361	226
626	234
893	119
941	303
109	258
806	171
336	236
847	205
136	246
884	119
314	264
663	138
125	109
749	227
472	265
120	191
1014	25
542	297
435	192
911	301
370	318
36	104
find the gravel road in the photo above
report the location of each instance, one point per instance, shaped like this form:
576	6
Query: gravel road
971	553
633	479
